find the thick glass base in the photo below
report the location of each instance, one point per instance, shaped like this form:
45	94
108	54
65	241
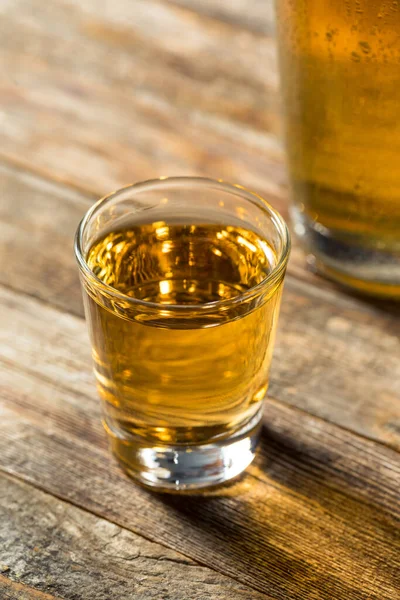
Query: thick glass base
185	468
352	263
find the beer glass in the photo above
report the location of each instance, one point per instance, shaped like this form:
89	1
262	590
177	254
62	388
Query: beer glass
182	280
340	73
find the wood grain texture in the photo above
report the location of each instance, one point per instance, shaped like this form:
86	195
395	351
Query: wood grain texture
12	590
97	95
63	552
103	93
315	515
335	357
256	15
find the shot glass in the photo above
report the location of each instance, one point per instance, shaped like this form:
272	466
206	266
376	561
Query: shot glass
182	280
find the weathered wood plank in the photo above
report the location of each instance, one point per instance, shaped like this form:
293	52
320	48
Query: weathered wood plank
335	356
257	15
31	212
11	590
38	218
61	551
144	96
314	516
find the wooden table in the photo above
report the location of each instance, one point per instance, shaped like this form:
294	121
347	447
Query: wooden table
96	94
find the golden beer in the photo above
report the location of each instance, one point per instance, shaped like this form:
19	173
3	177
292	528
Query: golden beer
182	294
340	70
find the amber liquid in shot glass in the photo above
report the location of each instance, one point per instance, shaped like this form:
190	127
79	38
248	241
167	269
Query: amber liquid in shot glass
182	351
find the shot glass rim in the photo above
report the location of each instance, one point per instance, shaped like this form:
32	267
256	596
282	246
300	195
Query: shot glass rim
216	184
